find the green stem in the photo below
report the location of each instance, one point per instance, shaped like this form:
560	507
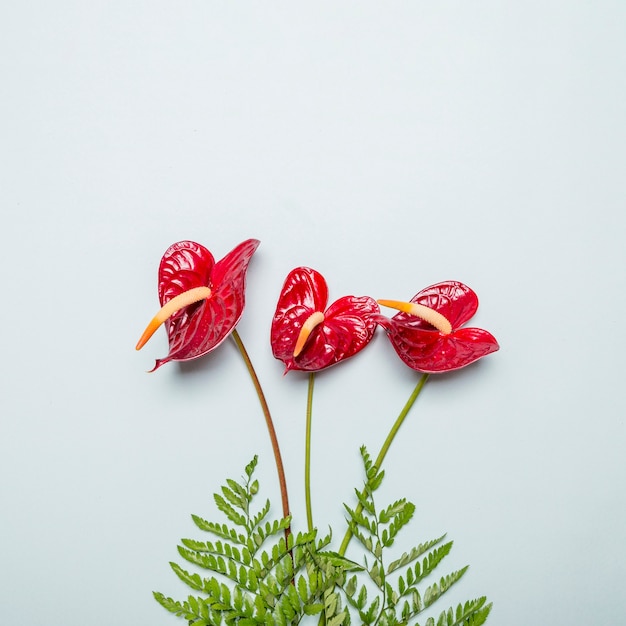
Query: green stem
385	447
270	427
307	453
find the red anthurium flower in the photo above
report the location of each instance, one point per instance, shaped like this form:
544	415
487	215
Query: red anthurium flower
202	300
308	336
427	333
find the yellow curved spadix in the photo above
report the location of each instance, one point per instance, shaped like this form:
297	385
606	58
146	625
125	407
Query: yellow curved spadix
315	319
169	308
425	313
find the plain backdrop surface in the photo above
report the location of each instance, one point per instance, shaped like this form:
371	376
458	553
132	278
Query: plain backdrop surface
389	146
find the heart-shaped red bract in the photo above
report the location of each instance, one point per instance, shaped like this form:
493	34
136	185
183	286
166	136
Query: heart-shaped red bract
347	328
424	348
201	327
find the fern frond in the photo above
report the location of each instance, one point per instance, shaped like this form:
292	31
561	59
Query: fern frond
192	580
365	499
436	590
334	614
472	613
218	548
428	564
254	569
393	509
322	542
238	489
234	499
180	609
402	517
408	557
367	460
360	600
228	568
339	561
357	517
370	615
262	514
270	529
236	518
398	600
259	578
220	530
251	466
365	540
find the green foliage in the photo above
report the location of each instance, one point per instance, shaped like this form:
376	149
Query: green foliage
389	593
251	570
257	572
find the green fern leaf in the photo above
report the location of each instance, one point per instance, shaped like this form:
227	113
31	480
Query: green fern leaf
240	490
416	602
234	499
261	515
376	575
229	511
436	590
429	563
341	619
375	481
361	600
206	561
365	500
365	541
369	616
472	613
220	530
400	519
192	580
334	614
337	560
415	553
181	609
480	616
303	589
350	586
392	596
386	514
367	459
251	466
359	519
322	542
313	609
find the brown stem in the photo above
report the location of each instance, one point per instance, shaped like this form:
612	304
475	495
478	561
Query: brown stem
270	427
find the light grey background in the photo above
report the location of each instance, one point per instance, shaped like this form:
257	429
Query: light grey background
388	145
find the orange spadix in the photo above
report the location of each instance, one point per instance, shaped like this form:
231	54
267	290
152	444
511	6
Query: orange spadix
169	308
315	319
425	313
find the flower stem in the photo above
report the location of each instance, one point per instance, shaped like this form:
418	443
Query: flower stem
270	427
385	448
307	453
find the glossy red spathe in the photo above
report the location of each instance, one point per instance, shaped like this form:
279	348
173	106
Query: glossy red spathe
330	334
200	327
426	349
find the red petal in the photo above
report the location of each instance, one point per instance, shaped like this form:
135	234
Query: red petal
201	327
304	292
303	287
454	300
197	332
230	272
352	319
432	352
348	327
184	265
